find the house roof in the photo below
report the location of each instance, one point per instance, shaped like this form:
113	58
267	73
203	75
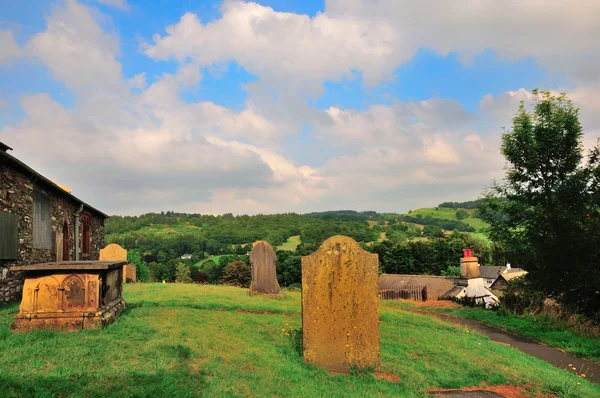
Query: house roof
436	285
40	179
492	272
513	273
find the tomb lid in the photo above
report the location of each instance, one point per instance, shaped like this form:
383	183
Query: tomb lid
70	265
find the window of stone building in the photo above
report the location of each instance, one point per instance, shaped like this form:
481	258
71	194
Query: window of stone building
8	236
86	225
42	225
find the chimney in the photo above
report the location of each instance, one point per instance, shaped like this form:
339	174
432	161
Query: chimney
469	265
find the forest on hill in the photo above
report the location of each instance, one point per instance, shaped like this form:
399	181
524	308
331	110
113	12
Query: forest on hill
425	241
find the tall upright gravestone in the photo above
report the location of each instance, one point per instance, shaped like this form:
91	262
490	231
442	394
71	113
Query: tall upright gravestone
264	276
340	306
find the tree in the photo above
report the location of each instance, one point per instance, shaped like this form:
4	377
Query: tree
461	214
212	270
432	231
183	273
546	213
237	273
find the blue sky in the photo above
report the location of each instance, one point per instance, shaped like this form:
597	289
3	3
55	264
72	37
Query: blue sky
280	105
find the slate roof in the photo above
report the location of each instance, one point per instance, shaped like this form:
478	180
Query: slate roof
437	286
40	179
492	272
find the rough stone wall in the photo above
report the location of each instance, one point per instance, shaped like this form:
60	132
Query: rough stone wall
16	196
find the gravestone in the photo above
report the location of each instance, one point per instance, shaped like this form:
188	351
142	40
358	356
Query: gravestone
340	306
264	277
114	252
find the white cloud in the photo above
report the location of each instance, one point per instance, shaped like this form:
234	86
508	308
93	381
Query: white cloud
131	144
138	81
121	4
78	52
300	52
9	49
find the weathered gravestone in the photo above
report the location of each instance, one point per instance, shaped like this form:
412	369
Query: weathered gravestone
340	313
264	277
114	252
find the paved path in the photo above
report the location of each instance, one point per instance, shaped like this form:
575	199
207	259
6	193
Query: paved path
552	355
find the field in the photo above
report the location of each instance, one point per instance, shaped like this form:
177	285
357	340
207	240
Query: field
192	340
449	214
291	244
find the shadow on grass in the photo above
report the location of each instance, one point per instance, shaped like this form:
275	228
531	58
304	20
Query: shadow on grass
177	383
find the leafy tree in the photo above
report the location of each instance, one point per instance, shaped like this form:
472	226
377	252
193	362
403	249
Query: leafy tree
453	270
237	273
432	231
142	272
159	272
289	268
213	271
461	214
546	212
183	273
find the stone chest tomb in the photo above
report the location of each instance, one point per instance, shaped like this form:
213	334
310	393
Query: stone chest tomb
71	295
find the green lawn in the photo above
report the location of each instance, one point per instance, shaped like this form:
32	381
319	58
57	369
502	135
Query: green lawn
193	340
449	214
291	244
549	330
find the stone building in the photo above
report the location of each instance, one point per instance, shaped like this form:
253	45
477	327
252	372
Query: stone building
41	221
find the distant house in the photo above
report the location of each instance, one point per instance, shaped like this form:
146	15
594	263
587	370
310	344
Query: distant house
41	221
504	278
186	257
490	273
483	283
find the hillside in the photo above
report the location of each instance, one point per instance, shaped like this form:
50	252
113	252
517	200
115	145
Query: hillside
190	340
442	213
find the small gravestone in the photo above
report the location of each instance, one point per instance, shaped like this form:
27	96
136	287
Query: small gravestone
264	277
340	306
114	252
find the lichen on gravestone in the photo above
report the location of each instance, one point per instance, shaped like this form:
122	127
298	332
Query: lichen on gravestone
340	306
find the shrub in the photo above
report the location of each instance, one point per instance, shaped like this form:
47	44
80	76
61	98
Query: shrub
198	276
461	214
237	273
520	297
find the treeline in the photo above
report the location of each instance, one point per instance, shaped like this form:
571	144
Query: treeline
228	234
345	215
472	204
435	256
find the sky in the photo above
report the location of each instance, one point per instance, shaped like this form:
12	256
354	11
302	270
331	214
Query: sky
283	106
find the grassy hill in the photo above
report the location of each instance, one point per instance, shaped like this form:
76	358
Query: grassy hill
291	244
191	340
450	214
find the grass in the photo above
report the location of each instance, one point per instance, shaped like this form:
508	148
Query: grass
193	340
291	244
551	330
450	214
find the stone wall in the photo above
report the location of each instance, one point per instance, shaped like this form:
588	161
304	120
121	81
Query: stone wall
16	196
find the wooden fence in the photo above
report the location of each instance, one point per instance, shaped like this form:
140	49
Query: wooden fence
414	292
